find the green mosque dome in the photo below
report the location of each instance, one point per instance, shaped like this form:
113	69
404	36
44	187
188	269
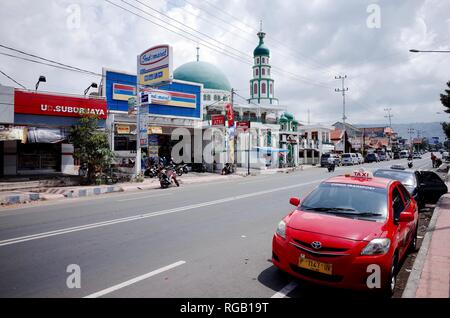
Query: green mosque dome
204	73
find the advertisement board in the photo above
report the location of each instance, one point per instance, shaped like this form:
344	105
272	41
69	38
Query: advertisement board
155	66
123	91
217	120
178	99
26	102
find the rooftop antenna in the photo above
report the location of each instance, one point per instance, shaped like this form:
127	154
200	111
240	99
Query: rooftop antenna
198	54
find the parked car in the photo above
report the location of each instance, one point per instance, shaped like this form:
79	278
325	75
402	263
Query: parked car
340	229
383	156
360	158
349	159
324	159
417	155
424	186
372	157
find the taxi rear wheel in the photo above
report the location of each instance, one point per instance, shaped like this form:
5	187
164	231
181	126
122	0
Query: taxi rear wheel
413	244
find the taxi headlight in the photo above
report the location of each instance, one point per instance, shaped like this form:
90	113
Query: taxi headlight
377	246
281	229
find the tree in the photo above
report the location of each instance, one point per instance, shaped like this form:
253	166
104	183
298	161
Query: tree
91	146
445	100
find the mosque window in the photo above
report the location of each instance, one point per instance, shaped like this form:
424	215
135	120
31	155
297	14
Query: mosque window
257	60
263	60
256	72
271	89
263	88
255	89
263	71
268	71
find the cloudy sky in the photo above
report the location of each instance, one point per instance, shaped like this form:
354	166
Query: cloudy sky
311	42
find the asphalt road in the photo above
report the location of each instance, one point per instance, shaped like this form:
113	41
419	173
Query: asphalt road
203	240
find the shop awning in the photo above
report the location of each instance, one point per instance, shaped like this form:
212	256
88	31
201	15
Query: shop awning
270	149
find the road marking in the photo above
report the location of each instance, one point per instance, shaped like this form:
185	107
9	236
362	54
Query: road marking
145	197
286	290
134	280
146	215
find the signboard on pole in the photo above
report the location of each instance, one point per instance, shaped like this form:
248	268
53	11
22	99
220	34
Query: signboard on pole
131	106
217	120
155	66
243	125
143	125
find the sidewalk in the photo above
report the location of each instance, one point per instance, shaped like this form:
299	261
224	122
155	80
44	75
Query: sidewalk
54	193
430	275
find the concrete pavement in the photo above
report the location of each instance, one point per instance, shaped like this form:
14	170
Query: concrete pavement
126	244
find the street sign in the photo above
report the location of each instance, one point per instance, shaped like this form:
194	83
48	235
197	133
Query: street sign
143	125
217	120
243	125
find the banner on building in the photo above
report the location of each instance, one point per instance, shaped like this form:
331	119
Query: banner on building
229	114
26	102
123	92
123	129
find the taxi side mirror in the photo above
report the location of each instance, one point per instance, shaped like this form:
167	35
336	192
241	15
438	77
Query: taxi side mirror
406	217
294	201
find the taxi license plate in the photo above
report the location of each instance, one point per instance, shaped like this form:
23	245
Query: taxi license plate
316	266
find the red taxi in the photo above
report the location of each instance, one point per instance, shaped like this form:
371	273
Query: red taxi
351	231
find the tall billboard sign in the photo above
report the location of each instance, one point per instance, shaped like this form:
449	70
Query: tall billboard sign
155	66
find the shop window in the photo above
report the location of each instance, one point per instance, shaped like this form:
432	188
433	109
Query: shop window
39	156
125	143
263	88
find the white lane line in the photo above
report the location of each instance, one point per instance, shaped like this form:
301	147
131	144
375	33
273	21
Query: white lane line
286	290
134	280
145	197
146	215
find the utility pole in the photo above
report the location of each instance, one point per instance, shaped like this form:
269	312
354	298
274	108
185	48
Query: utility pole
343	90
410	132
389	116
309	121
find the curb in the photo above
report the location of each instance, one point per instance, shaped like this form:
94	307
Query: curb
416	271
20	198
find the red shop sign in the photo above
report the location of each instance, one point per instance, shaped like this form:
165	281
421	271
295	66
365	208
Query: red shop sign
244	125
217	120
58	105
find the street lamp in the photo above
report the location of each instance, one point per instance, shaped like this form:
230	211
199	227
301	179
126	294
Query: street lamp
93	85
428	51
41	79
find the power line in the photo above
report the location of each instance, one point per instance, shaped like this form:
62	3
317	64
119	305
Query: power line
12	79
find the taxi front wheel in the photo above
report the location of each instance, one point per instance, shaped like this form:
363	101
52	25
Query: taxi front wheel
391	282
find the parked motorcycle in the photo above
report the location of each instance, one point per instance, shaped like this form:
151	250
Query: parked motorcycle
151	171
167	177
228	169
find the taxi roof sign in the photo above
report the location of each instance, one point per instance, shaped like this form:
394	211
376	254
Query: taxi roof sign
361	174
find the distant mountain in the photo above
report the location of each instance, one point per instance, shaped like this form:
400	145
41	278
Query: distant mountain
426	129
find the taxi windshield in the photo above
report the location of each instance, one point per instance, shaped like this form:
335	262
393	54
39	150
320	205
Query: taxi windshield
348	200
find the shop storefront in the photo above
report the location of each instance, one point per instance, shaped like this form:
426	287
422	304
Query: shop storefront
35	141
173	106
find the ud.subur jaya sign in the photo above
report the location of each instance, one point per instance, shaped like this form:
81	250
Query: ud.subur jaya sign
155	66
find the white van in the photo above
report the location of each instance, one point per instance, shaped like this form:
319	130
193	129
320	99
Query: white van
404	154
350	159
